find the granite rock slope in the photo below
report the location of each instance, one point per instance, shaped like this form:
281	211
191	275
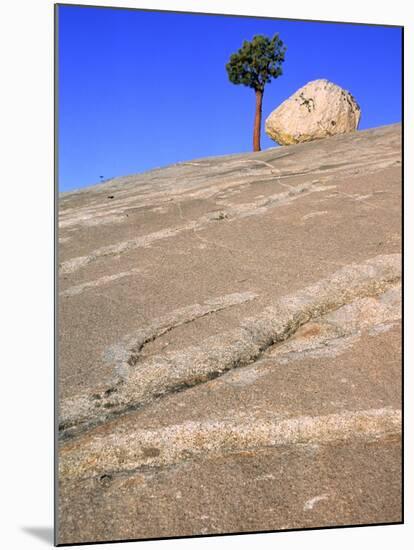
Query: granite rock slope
229	344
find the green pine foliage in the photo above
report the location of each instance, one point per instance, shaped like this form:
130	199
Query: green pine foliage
257	62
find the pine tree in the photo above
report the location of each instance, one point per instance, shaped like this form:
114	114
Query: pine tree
254	65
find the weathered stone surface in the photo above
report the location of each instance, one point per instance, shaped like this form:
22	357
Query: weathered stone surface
317	110
229	354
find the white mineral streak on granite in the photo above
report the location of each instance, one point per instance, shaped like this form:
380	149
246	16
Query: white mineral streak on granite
128	450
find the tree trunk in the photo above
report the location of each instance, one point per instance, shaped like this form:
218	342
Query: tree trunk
257	120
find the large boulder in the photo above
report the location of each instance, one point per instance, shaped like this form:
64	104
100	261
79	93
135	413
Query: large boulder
317	110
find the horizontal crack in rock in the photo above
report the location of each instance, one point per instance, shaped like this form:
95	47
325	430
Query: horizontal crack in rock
126	353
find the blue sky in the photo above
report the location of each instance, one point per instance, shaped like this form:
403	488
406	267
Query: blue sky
138	90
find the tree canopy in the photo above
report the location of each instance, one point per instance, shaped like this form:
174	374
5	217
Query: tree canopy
257	62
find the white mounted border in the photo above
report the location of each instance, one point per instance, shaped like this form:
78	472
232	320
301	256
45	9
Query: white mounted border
26	219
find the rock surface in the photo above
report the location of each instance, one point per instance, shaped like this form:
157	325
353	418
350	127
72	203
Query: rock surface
229	353
317	110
